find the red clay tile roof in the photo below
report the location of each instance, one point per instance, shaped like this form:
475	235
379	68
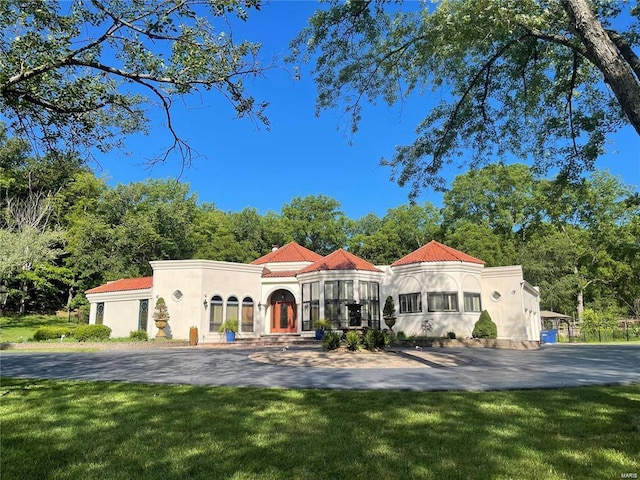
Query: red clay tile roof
124	284
291	252
436	252
266	273
340	260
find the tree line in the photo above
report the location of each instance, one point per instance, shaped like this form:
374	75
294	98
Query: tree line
64	230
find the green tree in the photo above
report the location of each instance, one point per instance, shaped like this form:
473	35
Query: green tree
27	239
546	81
81	75
214	237
130	226
402	230
32	220
501	196
481	241
484	327
586	244
316	222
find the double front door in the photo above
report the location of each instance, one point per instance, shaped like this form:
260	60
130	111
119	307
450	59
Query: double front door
283	317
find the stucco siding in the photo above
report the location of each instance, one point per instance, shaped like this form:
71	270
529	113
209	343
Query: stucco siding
510	305
197	280
120	310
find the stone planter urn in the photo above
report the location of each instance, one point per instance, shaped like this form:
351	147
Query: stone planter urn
390	322
161	317
161	325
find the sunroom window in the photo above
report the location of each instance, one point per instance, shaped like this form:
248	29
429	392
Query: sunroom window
337	294
310	304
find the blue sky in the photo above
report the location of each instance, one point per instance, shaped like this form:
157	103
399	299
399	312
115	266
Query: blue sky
242	165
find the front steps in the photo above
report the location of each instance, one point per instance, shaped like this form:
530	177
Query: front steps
262	341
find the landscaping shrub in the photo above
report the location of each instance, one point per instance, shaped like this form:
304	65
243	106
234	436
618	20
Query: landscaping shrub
92	332
331	340
139	335
352	340
401	335
375	340
52	332
451	335
484	327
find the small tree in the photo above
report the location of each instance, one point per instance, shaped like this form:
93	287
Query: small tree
389	313
389	310
484	327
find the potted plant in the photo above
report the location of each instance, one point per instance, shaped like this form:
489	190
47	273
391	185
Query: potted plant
389	312
321	325
229	328
161	317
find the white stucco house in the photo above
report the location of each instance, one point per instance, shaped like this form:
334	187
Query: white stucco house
283	292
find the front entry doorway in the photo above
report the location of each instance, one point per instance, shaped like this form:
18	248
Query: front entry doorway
283	312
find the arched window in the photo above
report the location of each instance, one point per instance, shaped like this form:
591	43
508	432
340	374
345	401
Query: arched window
232	308
100	313
215	314
247	314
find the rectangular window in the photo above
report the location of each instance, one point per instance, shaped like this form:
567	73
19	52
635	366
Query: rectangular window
99	313
370	301
410	302
336	296
472	302
310	304
143	314
442	301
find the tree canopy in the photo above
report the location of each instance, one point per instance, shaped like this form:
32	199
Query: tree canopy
546	81
578	243
82	74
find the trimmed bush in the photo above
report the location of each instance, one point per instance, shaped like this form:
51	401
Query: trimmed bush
484	327
52	332
352	341
97	333
139	335
331	340
451	335
375	340
401	335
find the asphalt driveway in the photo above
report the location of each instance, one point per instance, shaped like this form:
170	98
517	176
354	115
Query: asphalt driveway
553	366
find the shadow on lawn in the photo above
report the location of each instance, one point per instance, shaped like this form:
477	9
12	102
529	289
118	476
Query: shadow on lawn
69	430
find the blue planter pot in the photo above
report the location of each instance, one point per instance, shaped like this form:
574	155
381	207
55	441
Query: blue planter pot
319	334
231	336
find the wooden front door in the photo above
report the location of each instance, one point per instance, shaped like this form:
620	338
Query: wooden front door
283	317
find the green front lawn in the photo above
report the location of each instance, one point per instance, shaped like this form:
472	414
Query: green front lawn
82	430
21	328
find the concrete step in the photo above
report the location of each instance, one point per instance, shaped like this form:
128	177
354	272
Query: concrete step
266	340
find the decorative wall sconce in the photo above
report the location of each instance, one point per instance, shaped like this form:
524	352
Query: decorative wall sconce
260	306
205	303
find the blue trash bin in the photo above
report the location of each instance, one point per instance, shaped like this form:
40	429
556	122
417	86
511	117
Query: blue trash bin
548	336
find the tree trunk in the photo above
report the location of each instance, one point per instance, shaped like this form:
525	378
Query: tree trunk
606	57
580	299
23	297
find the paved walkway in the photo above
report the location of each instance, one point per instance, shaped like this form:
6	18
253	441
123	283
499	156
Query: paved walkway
306	367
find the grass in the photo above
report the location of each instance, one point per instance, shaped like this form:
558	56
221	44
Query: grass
85	430
21	328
